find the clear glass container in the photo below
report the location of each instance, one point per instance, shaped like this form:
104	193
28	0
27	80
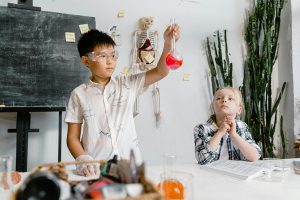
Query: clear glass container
175	184
6	184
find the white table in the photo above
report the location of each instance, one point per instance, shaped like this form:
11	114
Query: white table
209	185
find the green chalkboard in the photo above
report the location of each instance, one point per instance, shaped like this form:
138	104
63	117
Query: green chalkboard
37	66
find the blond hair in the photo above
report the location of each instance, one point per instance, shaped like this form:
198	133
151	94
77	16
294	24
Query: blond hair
237	93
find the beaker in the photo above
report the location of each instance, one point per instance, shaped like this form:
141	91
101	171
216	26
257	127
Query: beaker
274	169
168	164
5	173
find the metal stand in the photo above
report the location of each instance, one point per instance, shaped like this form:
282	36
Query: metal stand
23	128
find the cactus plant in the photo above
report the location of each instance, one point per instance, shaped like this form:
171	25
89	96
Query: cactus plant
261	36
218	61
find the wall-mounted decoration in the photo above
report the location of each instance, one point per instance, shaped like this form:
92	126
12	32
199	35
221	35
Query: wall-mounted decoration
144	58
145	44
116	35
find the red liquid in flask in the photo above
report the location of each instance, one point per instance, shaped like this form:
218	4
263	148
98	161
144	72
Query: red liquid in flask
173	62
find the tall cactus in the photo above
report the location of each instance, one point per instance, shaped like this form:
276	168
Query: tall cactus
262	31
218	61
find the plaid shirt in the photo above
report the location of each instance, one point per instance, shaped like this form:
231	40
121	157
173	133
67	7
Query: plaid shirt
203	134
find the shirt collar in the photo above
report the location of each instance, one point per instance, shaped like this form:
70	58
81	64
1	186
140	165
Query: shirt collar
91	83
212	121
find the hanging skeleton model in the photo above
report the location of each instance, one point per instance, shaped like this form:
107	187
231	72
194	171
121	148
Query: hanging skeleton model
144	58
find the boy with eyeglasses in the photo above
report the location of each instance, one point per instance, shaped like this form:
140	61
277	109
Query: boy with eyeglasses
99	112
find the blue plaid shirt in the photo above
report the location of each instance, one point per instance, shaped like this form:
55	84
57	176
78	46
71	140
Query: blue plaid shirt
203	134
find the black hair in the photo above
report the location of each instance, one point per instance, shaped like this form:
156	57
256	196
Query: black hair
89	40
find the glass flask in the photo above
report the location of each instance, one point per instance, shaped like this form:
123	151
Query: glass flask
175	184
173	59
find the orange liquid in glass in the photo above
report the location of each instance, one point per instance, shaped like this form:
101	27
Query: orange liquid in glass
173	62
172	189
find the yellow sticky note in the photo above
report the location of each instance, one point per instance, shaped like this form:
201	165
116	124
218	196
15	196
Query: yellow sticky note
186	77
84	28
121	13
125	70
70	36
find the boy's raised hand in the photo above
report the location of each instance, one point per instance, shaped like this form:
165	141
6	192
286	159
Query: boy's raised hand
168	34
159	72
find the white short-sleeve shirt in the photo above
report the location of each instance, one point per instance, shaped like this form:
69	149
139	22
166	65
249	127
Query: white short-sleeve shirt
107	116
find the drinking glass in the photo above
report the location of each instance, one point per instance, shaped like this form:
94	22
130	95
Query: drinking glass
274	169
5	173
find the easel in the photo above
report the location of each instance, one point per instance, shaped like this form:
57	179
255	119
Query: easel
24	4
23	129
37	93
23	113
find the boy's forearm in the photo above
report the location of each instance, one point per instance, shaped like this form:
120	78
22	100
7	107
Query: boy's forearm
161	65
161	70
75	147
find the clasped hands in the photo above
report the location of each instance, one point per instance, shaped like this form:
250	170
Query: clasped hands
228	125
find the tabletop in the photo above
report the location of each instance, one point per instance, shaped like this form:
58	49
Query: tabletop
209	185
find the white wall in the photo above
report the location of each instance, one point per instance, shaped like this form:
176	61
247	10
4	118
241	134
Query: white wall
296	63
285	74
183	103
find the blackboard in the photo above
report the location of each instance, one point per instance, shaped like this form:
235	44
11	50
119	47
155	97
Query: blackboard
37	66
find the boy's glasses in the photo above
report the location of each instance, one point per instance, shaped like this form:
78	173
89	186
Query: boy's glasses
101	57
